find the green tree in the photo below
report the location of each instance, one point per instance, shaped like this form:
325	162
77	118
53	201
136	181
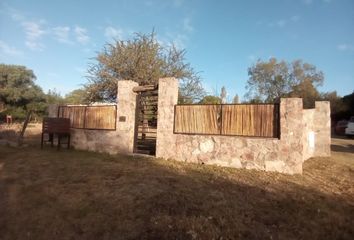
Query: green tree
54	97
337	103
307	91
144	60
348	100
18	92
236	99
271	80
210	100
77	96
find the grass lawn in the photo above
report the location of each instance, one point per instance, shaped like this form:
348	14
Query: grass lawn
81	195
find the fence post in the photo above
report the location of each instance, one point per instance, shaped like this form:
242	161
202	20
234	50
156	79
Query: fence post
220	125
85	117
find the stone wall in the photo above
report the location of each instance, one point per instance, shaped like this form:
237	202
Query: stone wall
317	131
281	155
120	140
303	134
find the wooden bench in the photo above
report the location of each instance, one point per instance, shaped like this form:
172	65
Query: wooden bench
59	127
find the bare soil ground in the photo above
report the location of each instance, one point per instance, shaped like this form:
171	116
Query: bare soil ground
67	194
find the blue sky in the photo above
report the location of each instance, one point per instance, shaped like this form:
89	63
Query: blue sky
57	39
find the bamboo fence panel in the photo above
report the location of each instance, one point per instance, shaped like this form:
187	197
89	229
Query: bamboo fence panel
256	120
90	117
197	119
259	120
64	112
77	117
231	120
100	117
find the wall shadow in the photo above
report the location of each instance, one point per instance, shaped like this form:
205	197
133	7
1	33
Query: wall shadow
348	148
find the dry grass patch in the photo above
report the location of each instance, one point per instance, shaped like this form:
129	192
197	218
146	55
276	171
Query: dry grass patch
81	195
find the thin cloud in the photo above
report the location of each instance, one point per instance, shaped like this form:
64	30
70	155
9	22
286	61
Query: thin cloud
345	47
16	15
9	50
310	2
187	26
178	3
282	22
81	35
61	34
279	23
307	2
53	75
33	29
34	32
251	57
295	18
180	41
113	33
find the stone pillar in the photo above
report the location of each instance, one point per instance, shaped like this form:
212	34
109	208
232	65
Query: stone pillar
53	110
126	105
291	134
167	99
322	127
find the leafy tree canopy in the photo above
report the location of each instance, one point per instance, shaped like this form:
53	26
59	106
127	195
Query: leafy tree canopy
210	100
142	59
77	96
273	79
18	91
54	97
236	99
17	87
337	103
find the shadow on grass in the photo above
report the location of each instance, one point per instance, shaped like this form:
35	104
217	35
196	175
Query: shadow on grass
80	195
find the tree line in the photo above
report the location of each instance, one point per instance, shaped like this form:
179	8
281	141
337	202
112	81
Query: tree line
144	59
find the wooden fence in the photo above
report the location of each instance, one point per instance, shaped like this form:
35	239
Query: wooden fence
100	117
255	120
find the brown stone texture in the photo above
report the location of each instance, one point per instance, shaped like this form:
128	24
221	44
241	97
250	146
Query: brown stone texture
122	139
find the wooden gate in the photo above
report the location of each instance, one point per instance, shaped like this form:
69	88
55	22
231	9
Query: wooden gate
146	119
